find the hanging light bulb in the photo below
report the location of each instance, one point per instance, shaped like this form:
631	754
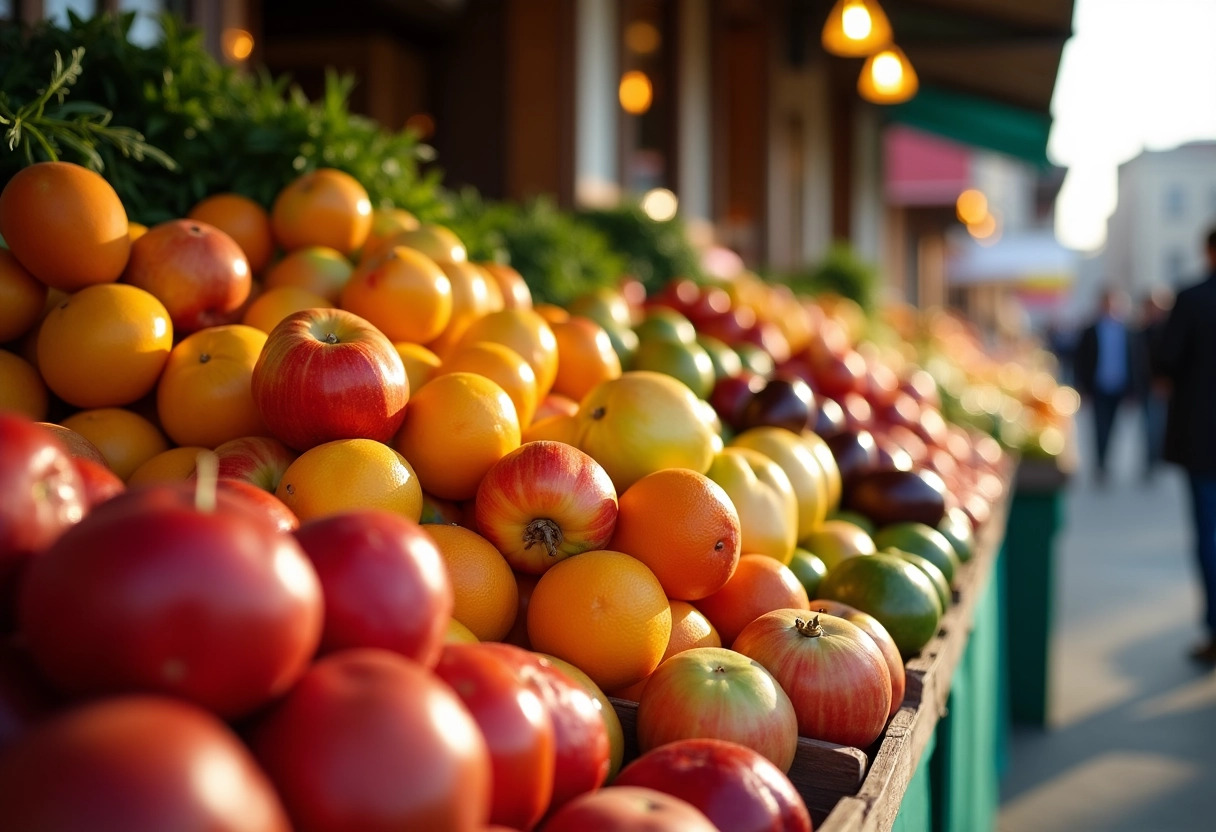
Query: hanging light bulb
887	77
856	28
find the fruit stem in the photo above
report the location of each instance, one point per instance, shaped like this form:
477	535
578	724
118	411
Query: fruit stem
206	474
545	531
810	629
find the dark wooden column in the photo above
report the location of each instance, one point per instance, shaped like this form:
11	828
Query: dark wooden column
842	99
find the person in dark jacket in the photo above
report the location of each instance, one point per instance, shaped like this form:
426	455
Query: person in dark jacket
1151	392
1186	356
1105	370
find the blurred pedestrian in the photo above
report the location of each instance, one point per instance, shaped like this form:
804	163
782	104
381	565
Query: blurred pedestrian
1105	369
1186	356
1152	391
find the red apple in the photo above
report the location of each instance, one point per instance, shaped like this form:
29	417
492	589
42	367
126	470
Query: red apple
713	301
136	762
872	627
718	693
259	460
282	518
833	672
328	374
41	496
731	395
730	326
157	593
100	483
857	411
768	337
629	809
384	581
197	271
902	410
881	384
544	502
76	444
516	726
910	441
370	741
798	366
680	294
836	375
732	785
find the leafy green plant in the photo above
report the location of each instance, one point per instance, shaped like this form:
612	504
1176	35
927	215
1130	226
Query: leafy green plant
654	252
227	130
841	272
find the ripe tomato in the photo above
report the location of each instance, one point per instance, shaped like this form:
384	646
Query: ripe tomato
135	763
517	728
629	809
154	594
373	742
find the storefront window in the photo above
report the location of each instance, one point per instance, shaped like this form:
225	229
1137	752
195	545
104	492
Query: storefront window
645	94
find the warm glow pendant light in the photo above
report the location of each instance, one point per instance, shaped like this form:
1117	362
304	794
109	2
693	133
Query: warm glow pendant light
887	77
856	28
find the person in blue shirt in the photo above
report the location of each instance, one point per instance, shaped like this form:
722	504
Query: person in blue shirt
1105	370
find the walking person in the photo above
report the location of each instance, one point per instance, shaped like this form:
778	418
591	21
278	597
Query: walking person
1152	391
1104	370
1186	356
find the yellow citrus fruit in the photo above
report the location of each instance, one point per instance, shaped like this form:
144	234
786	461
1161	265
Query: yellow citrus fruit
420	363
403	293
318	269
487	598
524	331
126	439
501	365
135	230
643	422
605	613
326	207
585	357
173	465
387	223
275	304
459	634
21	388
104	345
689	629
204	395
350	474
455	428
22	298
511	284
471	299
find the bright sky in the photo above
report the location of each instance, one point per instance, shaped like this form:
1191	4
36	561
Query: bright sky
1136	75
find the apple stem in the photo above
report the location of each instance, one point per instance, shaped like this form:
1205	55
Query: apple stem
206	473
545	531
330	338
810	629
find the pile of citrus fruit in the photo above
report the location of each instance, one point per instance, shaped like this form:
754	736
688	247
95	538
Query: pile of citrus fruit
306	490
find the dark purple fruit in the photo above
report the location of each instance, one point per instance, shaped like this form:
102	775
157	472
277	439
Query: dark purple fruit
898	496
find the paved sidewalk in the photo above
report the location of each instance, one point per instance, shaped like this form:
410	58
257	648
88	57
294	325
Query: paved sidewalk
1132	744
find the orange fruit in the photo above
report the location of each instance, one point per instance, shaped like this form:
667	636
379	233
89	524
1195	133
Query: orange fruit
204	395
65	225
243	220
455	428
643	422
435	241
126	439
585	357
551	313
689	628
524	331
605	613
173	465
135	230
559	428
497	302
21	388
273	305
482	582
104	345
760	584
501	365
326	207
403	293
22	298
420	363
318	269
471	299
684	527
386	224
511	284
348	474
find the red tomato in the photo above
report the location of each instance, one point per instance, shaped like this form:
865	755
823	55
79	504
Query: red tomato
583	749
629	809
736	788
154	594
384	581
516	726
833	672
135	763
372	742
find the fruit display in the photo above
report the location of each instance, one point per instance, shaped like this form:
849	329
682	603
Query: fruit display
392	552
